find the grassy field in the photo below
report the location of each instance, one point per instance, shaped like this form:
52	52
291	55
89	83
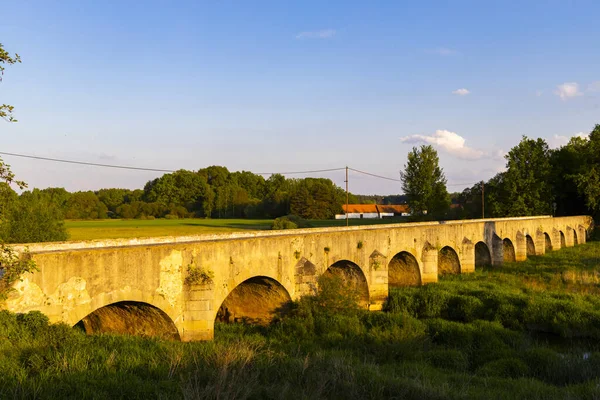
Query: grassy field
526	330
117	228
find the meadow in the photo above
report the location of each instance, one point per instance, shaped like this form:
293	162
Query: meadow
131	228
527	330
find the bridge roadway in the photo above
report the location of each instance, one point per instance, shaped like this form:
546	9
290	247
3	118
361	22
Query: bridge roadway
139	286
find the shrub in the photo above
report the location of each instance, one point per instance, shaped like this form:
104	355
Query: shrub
290	222
33	218
506	367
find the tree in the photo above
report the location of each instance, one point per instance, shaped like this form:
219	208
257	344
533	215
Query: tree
527	179
587	177
33	218
12	265
6	110
424	183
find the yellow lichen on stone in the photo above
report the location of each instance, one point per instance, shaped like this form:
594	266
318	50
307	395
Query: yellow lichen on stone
171	279
70	294
26	296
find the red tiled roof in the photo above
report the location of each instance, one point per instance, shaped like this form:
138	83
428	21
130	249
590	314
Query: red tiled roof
375	208
393	208
360	208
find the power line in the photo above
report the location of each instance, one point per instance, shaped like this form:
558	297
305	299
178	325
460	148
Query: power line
60	160
128	167
375	175
85	163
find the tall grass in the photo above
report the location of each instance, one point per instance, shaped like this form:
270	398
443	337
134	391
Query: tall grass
520	331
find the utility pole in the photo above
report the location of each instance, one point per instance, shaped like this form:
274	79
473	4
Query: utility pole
346	195
482	200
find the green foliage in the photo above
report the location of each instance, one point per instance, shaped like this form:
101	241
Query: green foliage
12	267
33	218
290	222
198	275
85	205
527	179
424	183
6	110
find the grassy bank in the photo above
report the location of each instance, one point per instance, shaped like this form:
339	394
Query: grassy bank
117	228
527	330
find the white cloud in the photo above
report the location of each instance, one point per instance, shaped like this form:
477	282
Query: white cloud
557	141
322	34
461	92
450	142
568	90
539	93
441	51
594	87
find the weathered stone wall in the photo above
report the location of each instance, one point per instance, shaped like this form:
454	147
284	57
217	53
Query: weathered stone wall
78	278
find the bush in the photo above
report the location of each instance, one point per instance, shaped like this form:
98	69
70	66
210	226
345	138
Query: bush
33	218
290	222
506	367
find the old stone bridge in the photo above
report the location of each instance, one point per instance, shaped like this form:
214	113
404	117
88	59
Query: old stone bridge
178	286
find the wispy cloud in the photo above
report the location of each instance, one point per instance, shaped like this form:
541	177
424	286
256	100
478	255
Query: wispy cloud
441	51
322	34
461	92
594	87
568	90
557	141
450	142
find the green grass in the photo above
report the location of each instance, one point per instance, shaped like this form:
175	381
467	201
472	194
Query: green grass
133	228
117	228
524	330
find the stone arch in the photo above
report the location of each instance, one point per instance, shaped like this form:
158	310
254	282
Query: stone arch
448	261
403	270
530	244
547	242
483	256
256	300
575	241
563	242
508	251
130	318
352	277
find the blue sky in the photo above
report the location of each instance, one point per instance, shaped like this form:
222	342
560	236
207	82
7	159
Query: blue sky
285	86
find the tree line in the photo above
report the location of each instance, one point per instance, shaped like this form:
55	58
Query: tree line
212	192
538	181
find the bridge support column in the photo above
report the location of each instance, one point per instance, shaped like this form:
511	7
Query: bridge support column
581	235
378	289
540	243
569	238
429	259
556	244
199	313
520	247
467	257
497	250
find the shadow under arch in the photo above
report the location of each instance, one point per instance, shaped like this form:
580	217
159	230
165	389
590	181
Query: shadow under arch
563	242
530	245
508	251
575	241
483	257
403	270
547	243
256	300
352	277
448	261
130	318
